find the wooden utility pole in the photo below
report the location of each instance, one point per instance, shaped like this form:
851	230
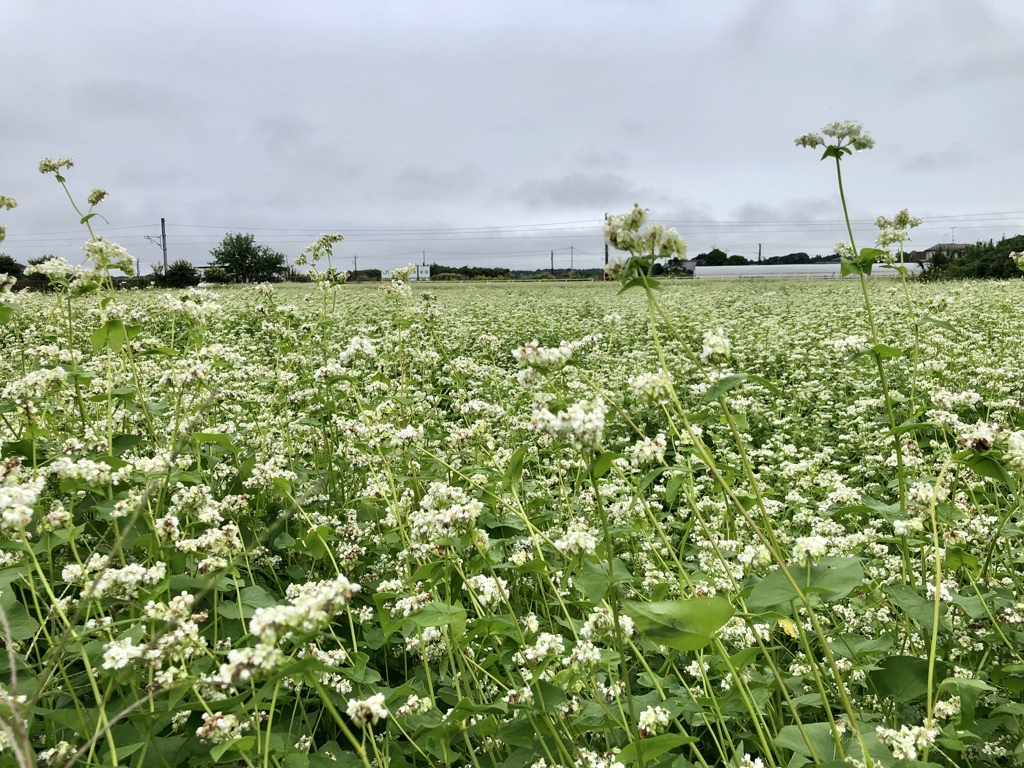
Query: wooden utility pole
552	263
163	241
758	253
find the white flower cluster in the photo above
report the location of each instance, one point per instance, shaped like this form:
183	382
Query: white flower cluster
245	663
849	345
312	606
35	385
906	742
444	512
533	355
16	498
653	721
58	754
716	347
582	423
94	473
367	711
649	450
600	625
488	590
106	256
414	705
547	646
264	473
847	133
1018	258
577	540
120	653
99	581
358	346
896	229
653	387
583	657
809	548
196	306
218	727
58	267
624	233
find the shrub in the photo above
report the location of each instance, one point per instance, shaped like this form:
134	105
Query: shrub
181	274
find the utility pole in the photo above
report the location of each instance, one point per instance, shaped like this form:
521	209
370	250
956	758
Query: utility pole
355	264
163	240
758	253
953	235
552	263
570	257
424	258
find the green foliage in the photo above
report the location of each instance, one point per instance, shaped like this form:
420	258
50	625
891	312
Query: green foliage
180	274
10	266
470	272
989	260
216	275
246	260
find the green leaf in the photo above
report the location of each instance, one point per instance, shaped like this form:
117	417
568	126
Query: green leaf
437	614
215	437
111	334
594	578
884	350
986	466
7	311
969	691
927	320
23	625
847	267
833	578
904	678
818	744
653	747
238	745
514	473
599	466
727	383
685	625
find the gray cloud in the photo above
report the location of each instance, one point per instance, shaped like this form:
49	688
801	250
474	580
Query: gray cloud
940	160
297	118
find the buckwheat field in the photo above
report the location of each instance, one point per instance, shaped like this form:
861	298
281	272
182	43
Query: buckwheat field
682	524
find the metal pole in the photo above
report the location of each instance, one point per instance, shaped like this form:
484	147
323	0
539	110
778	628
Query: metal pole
163	241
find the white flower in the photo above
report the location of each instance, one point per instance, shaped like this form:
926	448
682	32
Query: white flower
121	653
809	548
653	721
716	347
368	711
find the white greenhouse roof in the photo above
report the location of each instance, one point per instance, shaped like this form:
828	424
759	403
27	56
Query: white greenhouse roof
784	271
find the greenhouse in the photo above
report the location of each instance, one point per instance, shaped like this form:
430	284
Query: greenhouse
789	272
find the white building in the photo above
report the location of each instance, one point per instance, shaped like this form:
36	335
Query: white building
790	271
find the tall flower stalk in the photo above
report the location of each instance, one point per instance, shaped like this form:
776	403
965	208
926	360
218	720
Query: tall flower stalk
843	138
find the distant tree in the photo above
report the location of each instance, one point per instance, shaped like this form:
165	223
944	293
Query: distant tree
217	275
180	274
981	260
9	266
246	260
716	257
736	260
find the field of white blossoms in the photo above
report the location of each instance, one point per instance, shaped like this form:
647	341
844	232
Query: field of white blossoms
512	525
746	524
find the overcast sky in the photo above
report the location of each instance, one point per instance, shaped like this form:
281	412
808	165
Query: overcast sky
489	132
